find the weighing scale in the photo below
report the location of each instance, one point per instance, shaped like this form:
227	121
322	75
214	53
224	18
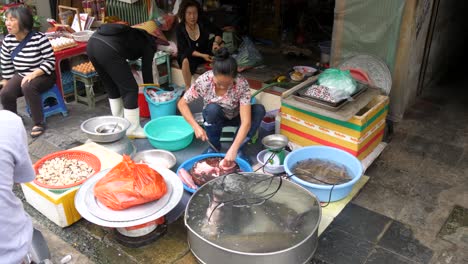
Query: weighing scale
276	145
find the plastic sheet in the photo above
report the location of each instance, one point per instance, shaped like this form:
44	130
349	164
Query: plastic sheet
129	184
371	27
340	84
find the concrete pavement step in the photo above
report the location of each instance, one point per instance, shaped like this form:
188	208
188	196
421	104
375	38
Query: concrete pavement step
59	248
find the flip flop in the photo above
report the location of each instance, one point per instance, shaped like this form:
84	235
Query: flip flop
37	130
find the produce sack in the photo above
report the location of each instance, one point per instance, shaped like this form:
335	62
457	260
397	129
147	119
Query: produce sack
129	184
248	56
340	84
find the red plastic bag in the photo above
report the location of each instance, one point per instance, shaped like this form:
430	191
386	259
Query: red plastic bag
129	184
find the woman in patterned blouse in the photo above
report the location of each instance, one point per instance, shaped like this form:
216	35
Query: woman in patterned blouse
226	102
31	71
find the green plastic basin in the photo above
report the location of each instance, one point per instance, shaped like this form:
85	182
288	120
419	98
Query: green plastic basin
169	132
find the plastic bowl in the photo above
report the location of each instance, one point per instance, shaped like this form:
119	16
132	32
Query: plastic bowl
188	164
296	76
270	168
322	192
169	132
306	70
82	36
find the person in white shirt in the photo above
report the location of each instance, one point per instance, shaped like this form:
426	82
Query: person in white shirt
16	229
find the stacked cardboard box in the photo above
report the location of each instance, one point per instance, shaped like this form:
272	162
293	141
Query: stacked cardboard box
358	136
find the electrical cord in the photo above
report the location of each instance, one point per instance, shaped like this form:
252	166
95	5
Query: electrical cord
262	196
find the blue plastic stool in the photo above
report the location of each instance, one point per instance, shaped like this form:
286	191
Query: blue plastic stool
52	103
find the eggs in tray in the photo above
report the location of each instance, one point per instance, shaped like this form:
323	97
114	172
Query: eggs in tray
84	68
61	43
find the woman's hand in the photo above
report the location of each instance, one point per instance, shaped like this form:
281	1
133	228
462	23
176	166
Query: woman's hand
3	83
27	78
230	157
207	57
31	76
200	133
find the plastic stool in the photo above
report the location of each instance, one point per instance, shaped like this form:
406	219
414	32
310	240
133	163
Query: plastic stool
228	133
52	103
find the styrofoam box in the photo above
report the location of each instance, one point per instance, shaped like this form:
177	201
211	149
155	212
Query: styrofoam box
60	207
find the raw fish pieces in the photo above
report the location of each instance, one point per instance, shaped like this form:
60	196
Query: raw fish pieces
320	171
207	169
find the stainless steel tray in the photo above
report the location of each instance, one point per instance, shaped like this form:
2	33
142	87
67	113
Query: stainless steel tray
133	213
301	96
169	176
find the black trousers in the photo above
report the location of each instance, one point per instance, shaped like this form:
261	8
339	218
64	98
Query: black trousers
31	91
114	72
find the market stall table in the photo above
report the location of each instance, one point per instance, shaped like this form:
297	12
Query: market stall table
65	54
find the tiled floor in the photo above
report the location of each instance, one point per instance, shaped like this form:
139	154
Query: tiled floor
359	235
397	217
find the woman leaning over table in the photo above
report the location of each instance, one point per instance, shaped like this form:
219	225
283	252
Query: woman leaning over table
27	63
226	102
194	46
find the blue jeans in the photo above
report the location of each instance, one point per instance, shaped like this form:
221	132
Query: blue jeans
215	121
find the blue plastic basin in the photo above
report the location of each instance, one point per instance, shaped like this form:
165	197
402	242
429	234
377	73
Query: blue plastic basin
188	164
169	132
322	192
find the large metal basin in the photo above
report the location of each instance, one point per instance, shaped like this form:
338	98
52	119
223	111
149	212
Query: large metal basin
105	129
281	229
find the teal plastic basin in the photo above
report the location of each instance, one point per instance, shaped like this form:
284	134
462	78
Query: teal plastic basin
169	132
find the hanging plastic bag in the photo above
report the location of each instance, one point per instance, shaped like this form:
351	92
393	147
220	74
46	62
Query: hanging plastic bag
340	84
129	184
248	56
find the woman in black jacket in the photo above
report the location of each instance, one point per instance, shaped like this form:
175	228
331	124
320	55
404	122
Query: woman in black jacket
108	49
194	46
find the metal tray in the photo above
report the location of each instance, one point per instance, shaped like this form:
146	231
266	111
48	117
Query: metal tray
169	176
303	98
133	213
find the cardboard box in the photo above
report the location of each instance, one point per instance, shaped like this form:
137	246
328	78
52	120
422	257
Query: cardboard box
60	207
358	136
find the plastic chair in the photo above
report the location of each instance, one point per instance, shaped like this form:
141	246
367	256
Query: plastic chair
52	103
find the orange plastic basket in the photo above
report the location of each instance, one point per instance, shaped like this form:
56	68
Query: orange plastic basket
87	157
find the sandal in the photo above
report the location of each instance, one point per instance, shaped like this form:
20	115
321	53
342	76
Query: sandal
37	130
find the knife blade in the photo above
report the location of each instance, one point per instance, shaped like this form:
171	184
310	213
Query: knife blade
212	146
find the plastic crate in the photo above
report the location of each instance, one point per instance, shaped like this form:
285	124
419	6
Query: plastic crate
67	83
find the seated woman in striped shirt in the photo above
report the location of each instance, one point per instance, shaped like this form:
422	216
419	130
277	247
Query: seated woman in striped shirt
27	63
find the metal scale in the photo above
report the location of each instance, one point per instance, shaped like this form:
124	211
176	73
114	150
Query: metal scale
275	144
109	132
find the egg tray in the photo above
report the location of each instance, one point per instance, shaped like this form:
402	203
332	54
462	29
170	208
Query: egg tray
85	75
71	45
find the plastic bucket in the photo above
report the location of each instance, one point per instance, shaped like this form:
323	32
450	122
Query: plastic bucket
143	105
325	192
159	109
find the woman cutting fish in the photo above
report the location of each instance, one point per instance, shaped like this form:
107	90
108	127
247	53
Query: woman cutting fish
226	102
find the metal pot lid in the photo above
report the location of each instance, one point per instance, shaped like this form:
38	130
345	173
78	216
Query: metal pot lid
253	213
132	216
376	68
